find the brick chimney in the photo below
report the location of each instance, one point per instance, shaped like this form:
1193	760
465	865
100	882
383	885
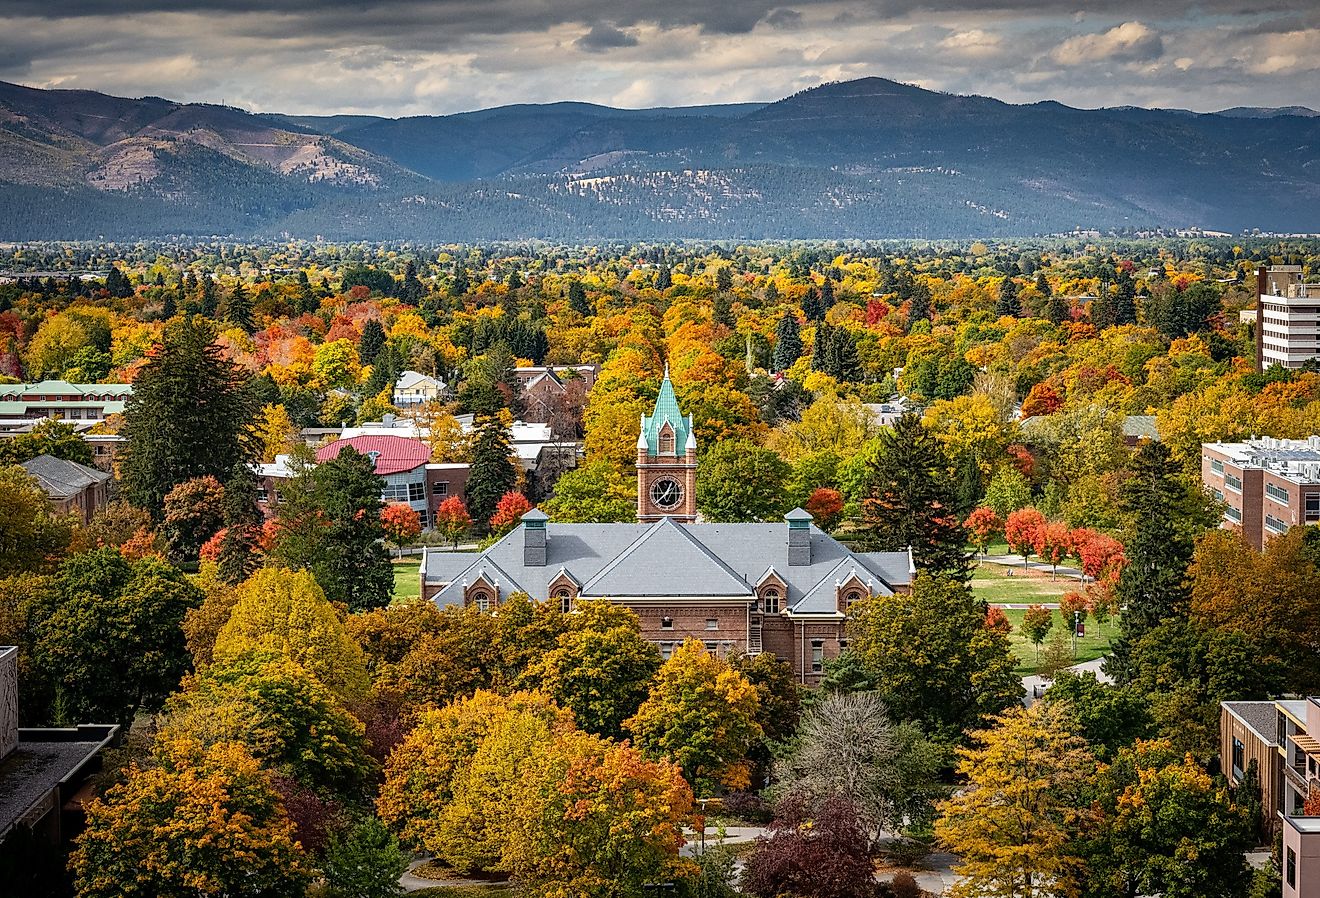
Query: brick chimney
799	537
534	538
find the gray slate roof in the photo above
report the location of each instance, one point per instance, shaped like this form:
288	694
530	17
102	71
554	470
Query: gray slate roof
1261	717
669	560
61	478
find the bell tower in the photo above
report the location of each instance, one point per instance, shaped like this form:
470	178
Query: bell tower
666	461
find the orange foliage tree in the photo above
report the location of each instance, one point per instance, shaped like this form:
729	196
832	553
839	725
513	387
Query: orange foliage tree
508	511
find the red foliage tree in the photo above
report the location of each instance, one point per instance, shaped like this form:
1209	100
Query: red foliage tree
1042	400
452	519
1053	543
508	511
210	550
1101	555
829	858
825	506
1020	530
402	524
996	621
1073	603
983	524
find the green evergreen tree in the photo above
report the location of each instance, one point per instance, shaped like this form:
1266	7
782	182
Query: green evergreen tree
243	519
1124	301
1008	302
820	349
577	298
170	302
237	308
189	416
492	473
208	301
373	338
307	301
458	283
919	297
911	502
412	289
664	279
788	343
117	283
723	278
843	361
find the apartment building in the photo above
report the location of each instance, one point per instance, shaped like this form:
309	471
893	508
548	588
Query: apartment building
1266	484
1281	737
1287	318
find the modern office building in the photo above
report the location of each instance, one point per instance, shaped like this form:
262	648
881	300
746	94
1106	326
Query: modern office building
1287	318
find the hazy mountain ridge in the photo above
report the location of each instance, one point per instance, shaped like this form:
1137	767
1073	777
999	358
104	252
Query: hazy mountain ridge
867	158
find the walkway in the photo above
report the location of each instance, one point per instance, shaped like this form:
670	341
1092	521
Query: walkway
1062	572
1035	686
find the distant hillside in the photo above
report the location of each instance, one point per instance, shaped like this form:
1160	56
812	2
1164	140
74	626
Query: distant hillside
1266	112
870	158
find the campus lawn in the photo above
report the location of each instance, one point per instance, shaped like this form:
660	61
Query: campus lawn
1091	646
992	583
407	573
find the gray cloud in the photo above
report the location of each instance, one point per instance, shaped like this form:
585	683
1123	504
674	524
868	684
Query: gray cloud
783	18
603	37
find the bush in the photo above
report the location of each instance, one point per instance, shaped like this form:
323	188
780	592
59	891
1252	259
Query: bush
904	885
905	852
747	806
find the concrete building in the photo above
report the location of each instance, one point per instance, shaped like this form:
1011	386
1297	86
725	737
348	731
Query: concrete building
71	487
1287	318
1268	485
43	775
784	588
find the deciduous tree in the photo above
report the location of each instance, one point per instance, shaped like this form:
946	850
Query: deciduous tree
741	482
452	519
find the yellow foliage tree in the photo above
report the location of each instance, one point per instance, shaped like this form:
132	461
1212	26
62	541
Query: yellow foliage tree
287	612
279	435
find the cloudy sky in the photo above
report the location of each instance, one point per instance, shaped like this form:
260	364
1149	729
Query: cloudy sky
406	57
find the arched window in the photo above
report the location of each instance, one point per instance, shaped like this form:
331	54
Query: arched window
565	597
850	598
481	599
666	441
770	601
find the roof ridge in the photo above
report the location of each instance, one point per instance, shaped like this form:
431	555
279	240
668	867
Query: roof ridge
663	526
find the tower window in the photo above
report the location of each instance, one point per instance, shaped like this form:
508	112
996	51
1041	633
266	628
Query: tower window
666	442
565	598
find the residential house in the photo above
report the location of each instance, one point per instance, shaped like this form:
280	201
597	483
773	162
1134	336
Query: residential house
414	388
20	404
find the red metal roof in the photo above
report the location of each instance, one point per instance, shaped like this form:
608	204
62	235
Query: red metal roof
393	454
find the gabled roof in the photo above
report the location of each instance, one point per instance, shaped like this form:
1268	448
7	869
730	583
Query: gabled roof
411	379
61	478
823	599
393	454
666	561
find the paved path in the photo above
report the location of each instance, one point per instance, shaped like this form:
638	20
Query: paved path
1016	561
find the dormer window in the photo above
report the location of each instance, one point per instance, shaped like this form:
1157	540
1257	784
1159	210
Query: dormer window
770	601
850	598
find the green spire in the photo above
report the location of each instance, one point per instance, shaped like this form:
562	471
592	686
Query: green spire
666	410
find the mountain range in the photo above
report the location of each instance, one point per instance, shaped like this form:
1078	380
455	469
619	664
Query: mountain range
870	158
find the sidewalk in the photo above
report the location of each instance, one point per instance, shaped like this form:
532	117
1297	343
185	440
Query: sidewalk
1062	572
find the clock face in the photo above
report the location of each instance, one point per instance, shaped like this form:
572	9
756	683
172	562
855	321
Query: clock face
666	493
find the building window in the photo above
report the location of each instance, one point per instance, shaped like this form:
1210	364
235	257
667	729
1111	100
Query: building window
1219	495
1290	869
424	517
666	623
817	656
1312	508
771	601
565	598
1233	483
712	647
440	488
416	492
1274	525
851	598
262	495
1217	466
1238	765
1276	492
666	650
481	599
667	442
1233	514
712	623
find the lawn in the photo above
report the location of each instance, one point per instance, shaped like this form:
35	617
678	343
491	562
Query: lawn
1089	647
993	583
407	579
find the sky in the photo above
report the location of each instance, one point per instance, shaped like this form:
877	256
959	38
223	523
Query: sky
415	57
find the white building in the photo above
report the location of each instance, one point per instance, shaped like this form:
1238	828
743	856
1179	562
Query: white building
414	388
1287	318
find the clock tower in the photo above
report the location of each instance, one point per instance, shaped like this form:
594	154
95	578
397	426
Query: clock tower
666	462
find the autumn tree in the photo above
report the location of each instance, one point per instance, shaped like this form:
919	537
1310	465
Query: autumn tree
592	493
1017	825
1108	717
287	612
1007	491
741	482
1037	621
47	437
910	503
189	415
32	538
819	851
1054	543
825	506
983	524
197	821
240	545
452	519
401	523
701	714
931	658
193	512
600	668
508	512
1021	529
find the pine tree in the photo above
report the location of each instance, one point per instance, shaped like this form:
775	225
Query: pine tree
1125	299
189	416
723	279
459	284
1055	307
117	283
1008	302
373	338
385	370
919	310
826	296
307	301
664	279
412	289
911	502
811	305
788	343
577	298
208	300
238	548
237	308
492	473
722	310
169	306
843	360
820	350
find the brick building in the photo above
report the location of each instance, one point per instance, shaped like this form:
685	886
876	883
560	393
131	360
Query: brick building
551	392
1267	485
72	488
784	588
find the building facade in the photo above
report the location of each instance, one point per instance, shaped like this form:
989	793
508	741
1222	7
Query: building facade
21	404
1267	485
551	393
72	488
785	588
1287	318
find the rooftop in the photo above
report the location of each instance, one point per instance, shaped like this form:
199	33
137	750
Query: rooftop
1297	460
1260	717
43	760
61	478
392	454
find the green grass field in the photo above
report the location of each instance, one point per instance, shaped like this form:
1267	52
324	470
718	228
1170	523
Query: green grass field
407	583
1094	644
992	583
